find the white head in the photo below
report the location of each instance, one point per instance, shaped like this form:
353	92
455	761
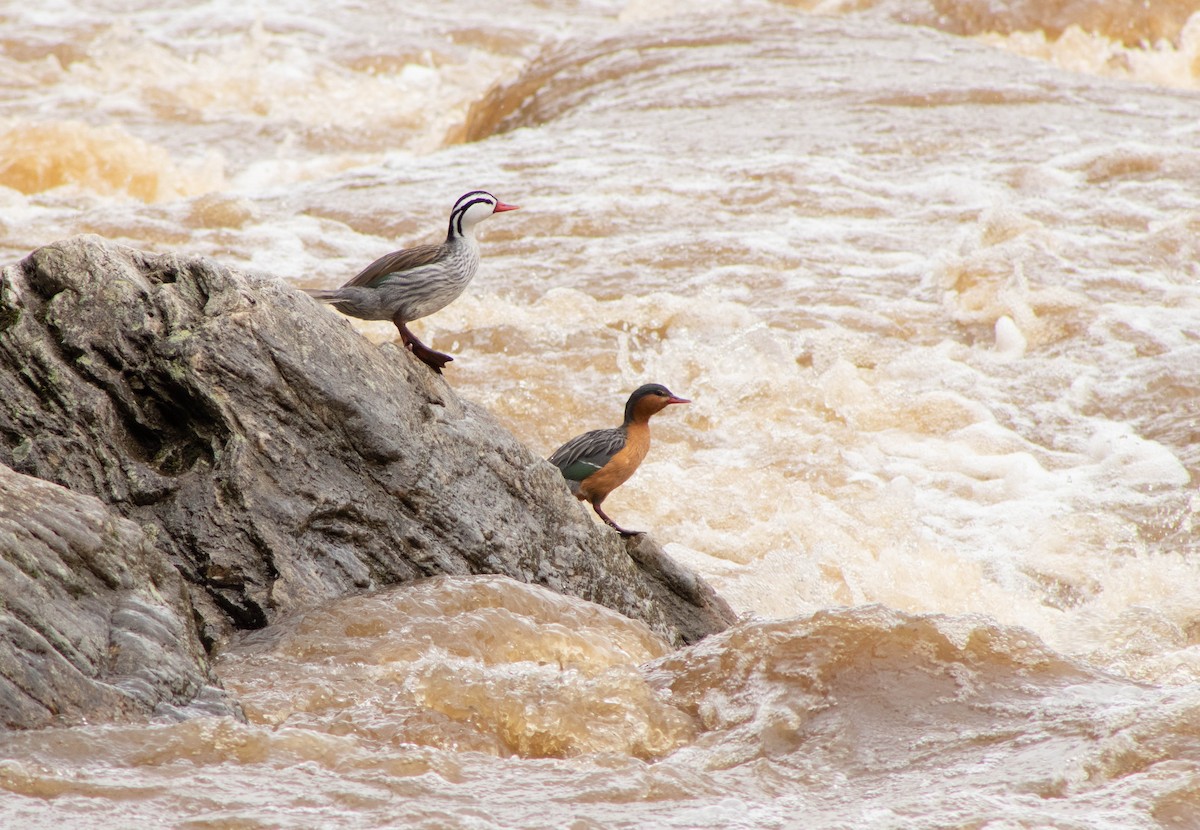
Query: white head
472	208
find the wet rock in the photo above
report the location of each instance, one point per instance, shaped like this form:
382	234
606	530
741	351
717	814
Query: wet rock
276	458
94	621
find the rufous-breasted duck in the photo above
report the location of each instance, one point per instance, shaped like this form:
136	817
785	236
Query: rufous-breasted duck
598	462
413	283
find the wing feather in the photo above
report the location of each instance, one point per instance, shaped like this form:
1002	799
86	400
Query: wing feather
395	262
587	453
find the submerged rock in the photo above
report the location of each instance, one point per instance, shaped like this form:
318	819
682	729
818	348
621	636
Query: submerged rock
276	458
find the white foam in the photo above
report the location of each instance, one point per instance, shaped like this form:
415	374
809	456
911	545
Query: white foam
1010	342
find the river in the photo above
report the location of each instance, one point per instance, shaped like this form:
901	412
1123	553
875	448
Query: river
928	272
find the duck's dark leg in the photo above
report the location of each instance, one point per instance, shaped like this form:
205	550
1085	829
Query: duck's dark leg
614	525
433	359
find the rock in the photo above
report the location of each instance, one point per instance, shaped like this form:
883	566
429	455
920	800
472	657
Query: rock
94	621
277	458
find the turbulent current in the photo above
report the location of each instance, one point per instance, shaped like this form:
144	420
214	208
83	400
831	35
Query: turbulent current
928	271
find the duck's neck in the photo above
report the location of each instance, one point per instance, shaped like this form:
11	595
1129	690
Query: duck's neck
463	236
461	229
638	420
635	413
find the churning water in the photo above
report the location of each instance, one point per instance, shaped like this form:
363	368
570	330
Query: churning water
928	271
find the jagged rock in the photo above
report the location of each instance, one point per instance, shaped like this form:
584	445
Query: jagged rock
276	457
94	621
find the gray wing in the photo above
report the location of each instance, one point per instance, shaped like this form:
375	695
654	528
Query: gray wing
587	453
395	262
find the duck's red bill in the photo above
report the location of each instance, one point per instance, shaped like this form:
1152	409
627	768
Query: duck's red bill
501	207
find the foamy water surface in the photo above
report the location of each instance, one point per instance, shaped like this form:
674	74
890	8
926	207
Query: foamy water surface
937	305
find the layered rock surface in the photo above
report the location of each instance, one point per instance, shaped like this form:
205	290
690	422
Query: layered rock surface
94	621
269	455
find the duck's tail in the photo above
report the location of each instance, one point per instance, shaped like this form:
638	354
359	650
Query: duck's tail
324	295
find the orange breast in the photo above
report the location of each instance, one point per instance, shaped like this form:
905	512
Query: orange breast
616	472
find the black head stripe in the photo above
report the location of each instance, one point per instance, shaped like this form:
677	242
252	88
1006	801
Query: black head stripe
462	207
472	195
